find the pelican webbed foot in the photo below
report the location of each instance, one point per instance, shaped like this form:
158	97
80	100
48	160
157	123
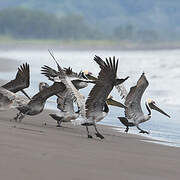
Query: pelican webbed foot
127	129
97	132
144	132
21	117
58	124
141	130
99	135
89	136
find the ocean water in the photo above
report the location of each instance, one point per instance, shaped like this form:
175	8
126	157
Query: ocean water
162	69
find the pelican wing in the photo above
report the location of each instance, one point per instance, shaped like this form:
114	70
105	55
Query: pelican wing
99	61
49	72
21	81
44	94
133	99
104	84
122	90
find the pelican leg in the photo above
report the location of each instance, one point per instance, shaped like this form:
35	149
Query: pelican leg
142	131
17	116
97	132
21	117
127	129
58	123
89	136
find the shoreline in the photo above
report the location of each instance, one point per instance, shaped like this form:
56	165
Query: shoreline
85	45
149	139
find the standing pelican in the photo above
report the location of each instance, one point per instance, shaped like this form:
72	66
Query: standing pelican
96	106
133	111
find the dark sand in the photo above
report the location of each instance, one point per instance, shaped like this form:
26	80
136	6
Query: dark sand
31	151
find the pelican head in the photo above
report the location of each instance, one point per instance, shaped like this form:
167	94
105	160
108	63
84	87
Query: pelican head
89	75
43	85
110	97
82	75
152	104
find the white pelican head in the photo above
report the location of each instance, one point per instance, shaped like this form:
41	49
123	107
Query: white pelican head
151	103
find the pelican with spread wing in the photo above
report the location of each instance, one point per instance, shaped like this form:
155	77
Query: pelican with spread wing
133	111
96	105
37	102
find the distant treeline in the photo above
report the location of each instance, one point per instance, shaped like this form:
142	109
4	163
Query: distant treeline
30	24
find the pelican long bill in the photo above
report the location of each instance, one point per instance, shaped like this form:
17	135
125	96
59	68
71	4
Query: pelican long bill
112	102
154	107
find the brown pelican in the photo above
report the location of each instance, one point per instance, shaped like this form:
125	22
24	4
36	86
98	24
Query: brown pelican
20	82
133	111
96	106
37	102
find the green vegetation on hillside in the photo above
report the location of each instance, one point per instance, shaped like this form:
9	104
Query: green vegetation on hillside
24	23
32	24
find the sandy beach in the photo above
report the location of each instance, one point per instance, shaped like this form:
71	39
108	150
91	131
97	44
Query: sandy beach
31	150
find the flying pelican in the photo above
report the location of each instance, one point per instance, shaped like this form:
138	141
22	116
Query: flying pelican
133	111
21	81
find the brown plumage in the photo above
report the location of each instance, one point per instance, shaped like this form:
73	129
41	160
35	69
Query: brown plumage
21	81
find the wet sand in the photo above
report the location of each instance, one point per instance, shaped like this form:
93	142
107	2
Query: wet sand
32	151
